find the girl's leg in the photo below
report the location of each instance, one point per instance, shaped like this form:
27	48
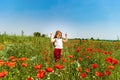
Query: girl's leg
57	54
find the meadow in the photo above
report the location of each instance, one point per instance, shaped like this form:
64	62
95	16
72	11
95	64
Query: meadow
31	58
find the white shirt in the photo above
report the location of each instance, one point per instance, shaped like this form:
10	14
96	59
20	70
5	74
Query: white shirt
58	43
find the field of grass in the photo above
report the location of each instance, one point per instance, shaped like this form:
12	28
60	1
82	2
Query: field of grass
31	58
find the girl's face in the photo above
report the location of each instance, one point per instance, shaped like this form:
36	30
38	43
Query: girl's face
59	35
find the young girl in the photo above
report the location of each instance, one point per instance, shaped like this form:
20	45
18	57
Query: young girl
58	44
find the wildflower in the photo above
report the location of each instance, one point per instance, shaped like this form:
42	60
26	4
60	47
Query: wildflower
40	74
80	59
79	69
99	74
108	60
29	78
64	60
83	75
107	72
49	69
88	57
71	56
38	66
111	67
77	50
106	53
11	64
114	61
24	65
23	59
94	66
3	73
11	57
87	70
57	66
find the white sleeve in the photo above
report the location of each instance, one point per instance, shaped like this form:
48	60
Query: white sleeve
52	40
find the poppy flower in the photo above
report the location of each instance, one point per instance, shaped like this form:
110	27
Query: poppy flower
40	74
87	70
111	67
83	75
49	69
114	61
109	60
79	69
23	59
3	73
94	66
107	73
24	65
11	64
99	74
38	66
57	66
29	78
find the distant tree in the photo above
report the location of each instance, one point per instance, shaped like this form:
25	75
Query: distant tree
43	35
91	38
37	34
98	39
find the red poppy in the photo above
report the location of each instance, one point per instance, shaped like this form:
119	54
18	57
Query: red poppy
83	75
90	50
87	70
11	57
57	66
78	49
38	66
40	74
49	69
11	64
107	72
109	60
111	67
94	66
114	61
45	52
99	74
79	69
88	57
64	60
71	56
106	53
3	73
23	59
24	65
29	78
80	59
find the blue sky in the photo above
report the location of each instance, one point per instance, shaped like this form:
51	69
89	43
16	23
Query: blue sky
79	18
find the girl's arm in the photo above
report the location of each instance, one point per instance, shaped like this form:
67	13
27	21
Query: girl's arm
52	40
66	38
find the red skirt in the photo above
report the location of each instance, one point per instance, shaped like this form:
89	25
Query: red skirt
57	54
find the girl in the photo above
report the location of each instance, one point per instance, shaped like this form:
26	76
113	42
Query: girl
58	43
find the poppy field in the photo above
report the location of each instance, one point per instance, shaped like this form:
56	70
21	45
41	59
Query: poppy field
31	58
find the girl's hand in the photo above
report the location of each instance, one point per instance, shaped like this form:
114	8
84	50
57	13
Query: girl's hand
50	33
66	34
